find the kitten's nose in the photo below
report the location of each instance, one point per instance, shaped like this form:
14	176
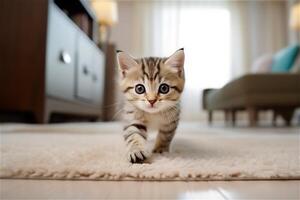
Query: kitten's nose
152	101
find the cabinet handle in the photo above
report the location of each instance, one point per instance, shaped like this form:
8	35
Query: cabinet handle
65	57
94	77
85	70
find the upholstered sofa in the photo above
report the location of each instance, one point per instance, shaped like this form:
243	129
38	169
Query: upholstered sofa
279	92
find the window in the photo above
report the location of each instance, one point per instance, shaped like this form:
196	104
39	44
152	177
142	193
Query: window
204	32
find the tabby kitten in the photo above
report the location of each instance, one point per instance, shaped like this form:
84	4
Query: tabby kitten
152	88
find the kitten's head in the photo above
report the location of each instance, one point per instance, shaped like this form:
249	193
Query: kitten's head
152	84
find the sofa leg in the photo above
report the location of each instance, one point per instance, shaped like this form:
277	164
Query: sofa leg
226	116
233	118
253	116
274	117
210	116
286	114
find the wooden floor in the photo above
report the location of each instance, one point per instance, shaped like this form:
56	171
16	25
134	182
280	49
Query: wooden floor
46	189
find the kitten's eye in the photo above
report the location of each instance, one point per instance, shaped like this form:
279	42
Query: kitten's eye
140	89
164	88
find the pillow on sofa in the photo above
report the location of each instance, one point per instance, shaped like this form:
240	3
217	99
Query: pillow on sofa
284	59
263	64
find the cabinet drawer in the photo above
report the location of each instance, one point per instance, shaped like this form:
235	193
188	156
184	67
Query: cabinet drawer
90	71
60	62
84	74
98	76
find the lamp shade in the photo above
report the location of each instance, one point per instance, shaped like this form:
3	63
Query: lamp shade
295	17
106	11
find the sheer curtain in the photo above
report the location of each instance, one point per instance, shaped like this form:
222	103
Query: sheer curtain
258	27
221	39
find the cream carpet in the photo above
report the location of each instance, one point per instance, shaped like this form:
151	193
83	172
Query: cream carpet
96	152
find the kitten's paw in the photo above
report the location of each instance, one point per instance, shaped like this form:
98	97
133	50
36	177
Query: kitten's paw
137	156
160	149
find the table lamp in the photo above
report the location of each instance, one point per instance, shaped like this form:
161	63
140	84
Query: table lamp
107	14
295	19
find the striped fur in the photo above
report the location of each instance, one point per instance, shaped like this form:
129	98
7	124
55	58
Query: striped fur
151	107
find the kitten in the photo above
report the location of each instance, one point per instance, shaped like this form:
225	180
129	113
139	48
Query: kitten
152	88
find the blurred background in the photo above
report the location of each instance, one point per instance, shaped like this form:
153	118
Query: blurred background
57	57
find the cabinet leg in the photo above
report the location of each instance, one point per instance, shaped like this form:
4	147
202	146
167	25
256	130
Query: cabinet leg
42	117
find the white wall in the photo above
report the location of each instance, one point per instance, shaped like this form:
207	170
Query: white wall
122	36
122	33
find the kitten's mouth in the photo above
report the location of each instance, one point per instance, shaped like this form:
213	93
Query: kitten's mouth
152	108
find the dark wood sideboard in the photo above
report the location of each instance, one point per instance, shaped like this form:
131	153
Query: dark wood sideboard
50	64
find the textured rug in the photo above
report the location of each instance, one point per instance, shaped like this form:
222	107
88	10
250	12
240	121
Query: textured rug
96	152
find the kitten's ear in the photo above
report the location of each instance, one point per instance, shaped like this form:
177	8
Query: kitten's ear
125	61
176	60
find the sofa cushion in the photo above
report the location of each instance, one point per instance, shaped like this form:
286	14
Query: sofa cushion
284	59
263	64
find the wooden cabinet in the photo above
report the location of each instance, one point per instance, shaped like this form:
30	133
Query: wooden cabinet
57	64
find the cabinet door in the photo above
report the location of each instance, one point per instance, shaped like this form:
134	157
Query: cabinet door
60	61
84	75
98	76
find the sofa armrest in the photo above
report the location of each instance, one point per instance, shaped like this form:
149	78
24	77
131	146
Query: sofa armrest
205	93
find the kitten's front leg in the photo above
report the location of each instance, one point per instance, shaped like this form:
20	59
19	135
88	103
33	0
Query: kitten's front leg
164	138
135	136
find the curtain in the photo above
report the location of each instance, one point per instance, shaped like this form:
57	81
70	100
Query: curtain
258	28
